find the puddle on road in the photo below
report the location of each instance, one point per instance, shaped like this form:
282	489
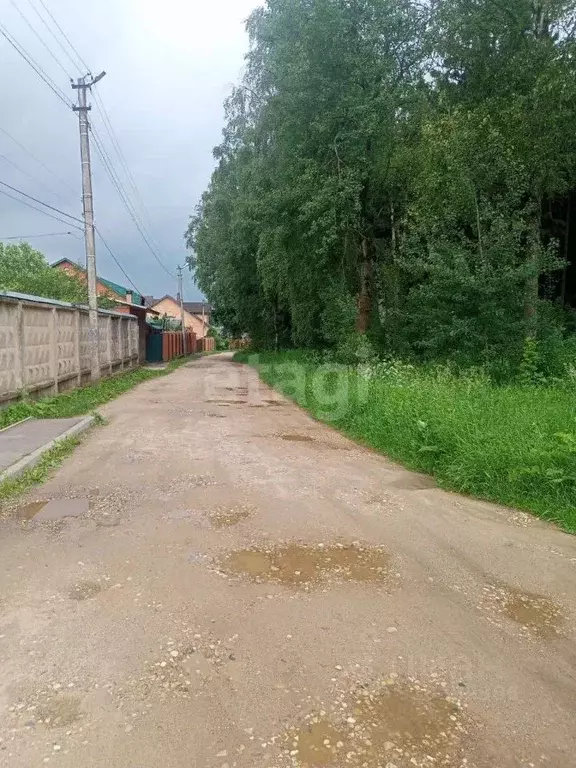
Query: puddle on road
534	613
398	724
85	590
226	517
28	511
59	712
53	510
296	565
411	482
297	438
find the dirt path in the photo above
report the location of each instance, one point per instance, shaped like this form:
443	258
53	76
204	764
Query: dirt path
251	590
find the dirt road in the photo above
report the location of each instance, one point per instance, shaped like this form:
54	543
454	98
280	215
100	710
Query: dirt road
248	589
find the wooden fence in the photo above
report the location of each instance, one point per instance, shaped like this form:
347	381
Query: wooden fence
173	344
44	345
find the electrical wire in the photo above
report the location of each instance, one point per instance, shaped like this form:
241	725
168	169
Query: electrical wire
33	156
56	38
35	66
120	267
40	202
122	194
47	47
116	144
34	208
59	28
30	176
47	234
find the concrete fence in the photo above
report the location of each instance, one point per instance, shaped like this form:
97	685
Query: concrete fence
44	345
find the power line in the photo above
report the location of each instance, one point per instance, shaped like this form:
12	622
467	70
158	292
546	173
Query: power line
122	193
59	28
33	156
120	267
47	47
56	38
30	176
116	144
39	210
31	237
35	66
40	202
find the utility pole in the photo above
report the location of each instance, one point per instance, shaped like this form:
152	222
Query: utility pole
82	86
181	300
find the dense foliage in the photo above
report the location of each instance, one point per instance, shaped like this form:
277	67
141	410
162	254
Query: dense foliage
25	270
397	175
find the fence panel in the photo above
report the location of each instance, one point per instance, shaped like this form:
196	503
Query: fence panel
44	345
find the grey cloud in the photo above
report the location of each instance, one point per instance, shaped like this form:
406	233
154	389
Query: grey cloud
169	65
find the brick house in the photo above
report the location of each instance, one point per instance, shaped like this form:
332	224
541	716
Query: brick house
104	288
196	314
128	302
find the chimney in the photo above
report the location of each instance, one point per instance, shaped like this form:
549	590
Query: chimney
129	297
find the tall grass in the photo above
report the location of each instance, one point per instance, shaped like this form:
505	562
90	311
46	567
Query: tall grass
513	444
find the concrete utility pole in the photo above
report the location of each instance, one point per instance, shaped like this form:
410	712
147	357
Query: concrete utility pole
82	86
181	300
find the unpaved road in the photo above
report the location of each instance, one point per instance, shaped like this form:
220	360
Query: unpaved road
251	590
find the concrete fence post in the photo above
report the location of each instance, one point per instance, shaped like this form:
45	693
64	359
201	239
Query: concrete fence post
20	348
77	346
53	343
109	343
129	332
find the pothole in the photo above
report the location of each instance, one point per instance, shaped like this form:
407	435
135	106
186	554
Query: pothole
398	724
59	712
296	565
226	517
297	438
53	510
28	511
85	590
536	614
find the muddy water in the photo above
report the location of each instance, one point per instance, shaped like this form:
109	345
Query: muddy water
226	517
297	438
85	590
536	614
397	724
297	565
28	511
53	510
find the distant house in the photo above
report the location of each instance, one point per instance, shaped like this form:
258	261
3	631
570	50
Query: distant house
105	288
196	314
128	302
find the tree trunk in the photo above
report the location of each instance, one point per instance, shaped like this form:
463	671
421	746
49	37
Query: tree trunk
533	281
365	296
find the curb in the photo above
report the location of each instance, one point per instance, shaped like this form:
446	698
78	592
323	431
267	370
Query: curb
27	462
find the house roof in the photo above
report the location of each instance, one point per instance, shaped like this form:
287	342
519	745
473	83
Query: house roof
193	307
121	290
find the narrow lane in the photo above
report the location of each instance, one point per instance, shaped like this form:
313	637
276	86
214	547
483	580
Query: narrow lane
249	589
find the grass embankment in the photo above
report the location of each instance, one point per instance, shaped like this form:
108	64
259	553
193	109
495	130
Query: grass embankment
76	402
514	445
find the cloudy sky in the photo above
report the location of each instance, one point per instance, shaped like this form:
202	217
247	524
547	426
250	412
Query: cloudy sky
169	65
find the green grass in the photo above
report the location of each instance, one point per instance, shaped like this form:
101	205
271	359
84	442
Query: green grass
40	472
514	445
78	402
